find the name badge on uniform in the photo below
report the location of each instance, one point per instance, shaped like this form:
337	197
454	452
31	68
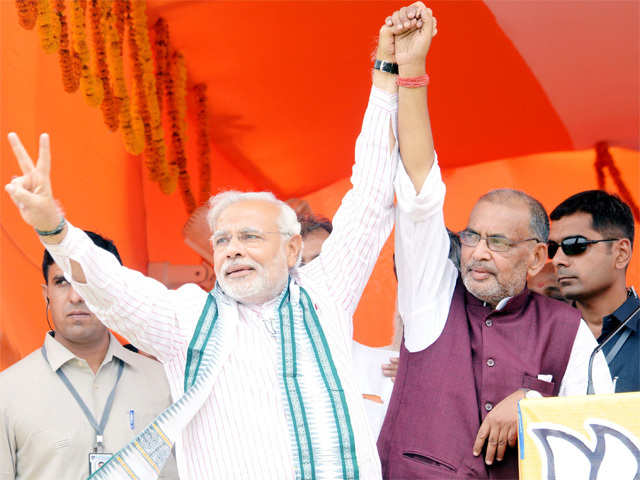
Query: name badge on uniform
97	460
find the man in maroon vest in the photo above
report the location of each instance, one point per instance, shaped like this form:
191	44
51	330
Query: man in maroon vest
477	342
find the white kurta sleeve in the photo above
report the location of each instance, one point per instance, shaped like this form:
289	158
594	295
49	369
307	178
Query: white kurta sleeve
364	219
426	276
152	317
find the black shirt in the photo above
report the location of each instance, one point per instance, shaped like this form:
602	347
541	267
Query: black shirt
626	363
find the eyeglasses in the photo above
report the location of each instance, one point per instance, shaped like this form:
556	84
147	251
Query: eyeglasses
248	237
573	245
495	243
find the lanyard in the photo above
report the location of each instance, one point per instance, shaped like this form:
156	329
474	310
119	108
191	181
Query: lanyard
107	406
624	335
618	345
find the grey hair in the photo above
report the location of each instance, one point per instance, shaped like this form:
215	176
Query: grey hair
538	218
287	220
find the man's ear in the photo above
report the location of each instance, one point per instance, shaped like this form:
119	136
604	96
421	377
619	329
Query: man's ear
538	258
294	247
45	293
622	253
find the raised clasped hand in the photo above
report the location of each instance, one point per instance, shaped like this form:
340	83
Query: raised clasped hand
413	27
31	192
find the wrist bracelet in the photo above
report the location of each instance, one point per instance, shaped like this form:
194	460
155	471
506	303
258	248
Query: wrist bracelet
55	231
413	82
388	67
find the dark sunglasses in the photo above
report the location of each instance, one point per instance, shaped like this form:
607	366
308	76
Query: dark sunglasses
573	245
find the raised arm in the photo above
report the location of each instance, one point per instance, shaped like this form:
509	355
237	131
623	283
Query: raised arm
365	218
414	126
140	308
426	278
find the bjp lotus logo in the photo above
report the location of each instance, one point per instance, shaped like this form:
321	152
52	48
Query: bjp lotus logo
608	452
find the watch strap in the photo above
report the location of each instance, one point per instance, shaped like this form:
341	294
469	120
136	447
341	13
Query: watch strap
388	67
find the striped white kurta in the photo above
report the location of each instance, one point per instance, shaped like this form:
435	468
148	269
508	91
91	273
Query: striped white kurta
241	430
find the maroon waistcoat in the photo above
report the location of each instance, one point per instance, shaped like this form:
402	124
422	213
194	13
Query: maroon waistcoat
442	393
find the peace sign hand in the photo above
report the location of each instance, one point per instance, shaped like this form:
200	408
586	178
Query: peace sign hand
32	191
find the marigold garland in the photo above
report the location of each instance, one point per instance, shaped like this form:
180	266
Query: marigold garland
76	63
161	55
70	81
27	13
120	9
204	162
130	121
140	121
100	16
141	102
91	86
155	155
175	87
48	27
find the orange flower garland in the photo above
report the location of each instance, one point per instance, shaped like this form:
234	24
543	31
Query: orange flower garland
141	100
91	86
140	47
70	76
161	51
101	15
204	149
48	27
27	13
76	63
176	103
120	10
130	121
101	76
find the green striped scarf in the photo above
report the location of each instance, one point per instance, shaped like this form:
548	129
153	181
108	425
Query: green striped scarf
299	331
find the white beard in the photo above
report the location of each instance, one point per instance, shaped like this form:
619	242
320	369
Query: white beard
266	282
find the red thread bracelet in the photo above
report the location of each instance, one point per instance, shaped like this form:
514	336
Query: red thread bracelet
413	82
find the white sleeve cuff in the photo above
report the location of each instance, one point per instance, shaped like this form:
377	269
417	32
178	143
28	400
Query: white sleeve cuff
383	99
430	199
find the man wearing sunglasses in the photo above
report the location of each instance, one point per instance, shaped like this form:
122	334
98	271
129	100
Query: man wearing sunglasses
590	244
475	341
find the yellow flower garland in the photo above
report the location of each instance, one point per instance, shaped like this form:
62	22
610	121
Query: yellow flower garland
70	76
204	149
27	13
176	88
161	55
120	11
100	16
130	122
91	86
155	155
140	121
48	27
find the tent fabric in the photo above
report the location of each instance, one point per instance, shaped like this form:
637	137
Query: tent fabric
287	84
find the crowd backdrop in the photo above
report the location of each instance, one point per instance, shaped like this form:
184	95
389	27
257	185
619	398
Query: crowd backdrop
153	105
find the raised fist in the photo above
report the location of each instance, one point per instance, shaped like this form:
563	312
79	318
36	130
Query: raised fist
413	27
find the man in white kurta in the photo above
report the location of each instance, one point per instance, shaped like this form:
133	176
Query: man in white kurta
241	430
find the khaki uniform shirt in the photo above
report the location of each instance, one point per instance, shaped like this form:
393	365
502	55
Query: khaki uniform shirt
44	434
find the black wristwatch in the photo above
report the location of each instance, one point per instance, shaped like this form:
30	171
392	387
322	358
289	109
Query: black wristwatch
386	67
